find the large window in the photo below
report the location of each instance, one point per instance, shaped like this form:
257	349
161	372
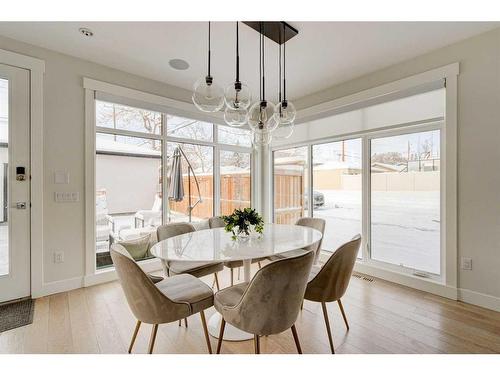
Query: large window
405	200
337	190
134	153
383	183
290	185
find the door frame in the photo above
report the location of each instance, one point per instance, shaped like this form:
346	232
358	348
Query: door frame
36	68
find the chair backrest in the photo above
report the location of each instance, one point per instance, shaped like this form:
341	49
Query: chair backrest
332	280
315	223
271	303
216	222
174	229
147	303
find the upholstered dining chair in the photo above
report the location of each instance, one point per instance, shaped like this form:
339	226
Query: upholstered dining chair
172	299
270	303
330	282
310	222
218	222
197	269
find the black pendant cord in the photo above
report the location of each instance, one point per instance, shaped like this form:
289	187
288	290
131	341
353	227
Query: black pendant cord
284	66
279	70
209	51
260	61
237	53
263	66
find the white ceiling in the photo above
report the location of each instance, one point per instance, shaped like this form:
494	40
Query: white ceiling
322	55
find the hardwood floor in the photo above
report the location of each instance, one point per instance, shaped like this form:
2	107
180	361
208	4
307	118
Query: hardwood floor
383	318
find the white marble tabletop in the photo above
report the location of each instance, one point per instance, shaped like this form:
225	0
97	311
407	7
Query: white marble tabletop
217	245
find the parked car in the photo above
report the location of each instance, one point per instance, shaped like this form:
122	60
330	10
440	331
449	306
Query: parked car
318	199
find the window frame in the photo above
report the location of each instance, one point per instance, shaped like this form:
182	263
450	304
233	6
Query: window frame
366	137
117	93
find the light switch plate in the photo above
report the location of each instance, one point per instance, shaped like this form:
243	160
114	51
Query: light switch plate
61	177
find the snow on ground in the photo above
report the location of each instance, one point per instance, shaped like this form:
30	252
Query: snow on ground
405	225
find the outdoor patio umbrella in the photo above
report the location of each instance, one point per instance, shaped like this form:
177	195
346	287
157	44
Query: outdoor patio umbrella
176	186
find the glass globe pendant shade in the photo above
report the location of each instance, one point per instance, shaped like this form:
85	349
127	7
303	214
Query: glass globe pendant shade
286	112
237	96
284	131
260	114
208	96
235	117
261	138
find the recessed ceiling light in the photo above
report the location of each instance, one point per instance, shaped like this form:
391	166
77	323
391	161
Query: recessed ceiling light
86	32
178	64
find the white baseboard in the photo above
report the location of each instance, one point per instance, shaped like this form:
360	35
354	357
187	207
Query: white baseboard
475	298
426	285
59	286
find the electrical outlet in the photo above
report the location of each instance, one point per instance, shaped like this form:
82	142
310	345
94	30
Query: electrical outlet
58	257
466	263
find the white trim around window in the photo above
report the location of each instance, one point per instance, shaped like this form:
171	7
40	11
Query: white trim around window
446	285
95	90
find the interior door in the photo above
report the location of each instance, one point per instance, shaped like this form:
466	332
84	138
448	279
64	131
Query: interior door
15	273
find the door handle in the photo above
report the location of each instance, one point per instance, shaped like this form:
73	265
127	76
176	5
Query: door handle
21	205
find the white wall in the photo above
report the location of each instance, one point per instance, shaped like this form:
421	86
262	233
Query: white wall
478	149
64	223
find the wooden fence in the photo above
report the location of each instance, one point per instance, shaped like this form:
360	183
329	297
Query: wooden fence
235	193
289	197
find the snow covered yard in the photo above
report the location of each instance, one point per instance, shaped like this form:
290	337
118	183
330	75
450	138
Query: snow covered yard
405	225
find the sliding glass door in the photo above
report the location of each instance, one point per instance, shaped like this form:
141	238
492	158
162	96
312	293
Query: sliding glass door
405	200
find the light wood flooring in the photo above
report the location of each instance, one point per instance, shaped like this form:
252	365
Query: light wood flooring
383	318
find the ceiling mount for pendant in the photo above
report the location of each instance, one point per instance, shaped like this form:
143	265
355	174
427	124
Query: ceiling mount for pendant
274	30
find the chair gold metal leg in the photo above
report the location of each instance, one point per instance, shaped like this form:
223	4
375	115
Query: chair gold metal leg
256	342
205	330
180	322
343	313
296	338
239	269
221	334
134	336
152	338
186	322
259	265
327	322
216	279
232	276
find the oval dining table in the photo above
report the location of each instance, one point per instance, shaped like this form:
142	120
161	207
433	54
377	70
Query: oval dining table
216	245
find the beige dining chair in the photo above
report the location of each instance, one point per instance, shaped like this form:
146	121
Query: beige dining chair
330	282
270	303
172	299
197	269
310	222
218	222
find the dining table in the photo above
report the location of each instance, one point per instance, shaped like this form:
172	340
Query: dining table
217	245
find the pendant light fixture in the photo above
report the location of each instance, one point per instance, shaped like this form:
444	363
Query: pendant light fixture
237	95
285	110
261	115
265	119
207	95
284	129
